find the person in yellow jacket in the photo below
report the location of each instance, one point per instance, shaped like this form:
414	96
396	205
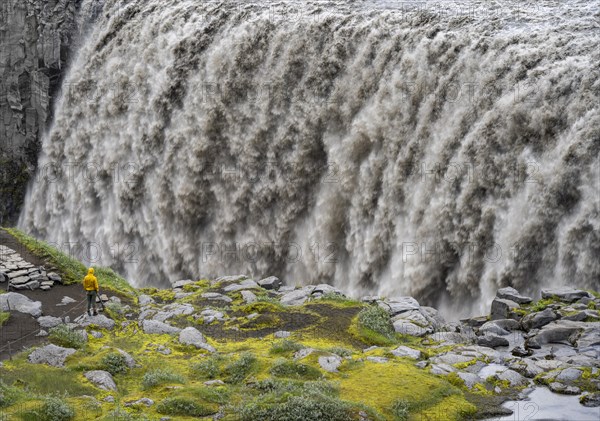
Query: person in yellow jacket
90	284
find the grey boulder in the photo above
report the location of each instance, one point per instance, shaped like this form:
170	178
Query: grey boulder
567	294
102	379
158	328
512	294
51	354
272	282
539	319
13	301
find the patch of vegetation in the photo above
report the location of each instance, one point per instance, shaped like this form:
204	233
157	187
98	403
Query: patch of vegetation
374	326
541	304
241	368
262	306
296	408
43	380
294	370
284	346
115	363
400	409
71	269
4	316
455	380
339	299
53	409
63	335
9	395
161	376
208	368
342	352
184	407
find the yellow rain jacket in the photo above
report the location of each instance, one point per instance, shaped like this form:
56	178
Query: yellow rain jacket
90	282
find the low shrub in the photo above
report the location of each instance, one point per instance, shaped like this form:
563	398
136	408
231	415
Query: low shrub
285	345
400	410
342	352
376	319
241	368
207	369
297	408
294	370
114	363
157	377
183	407
53	409
8	394
64	336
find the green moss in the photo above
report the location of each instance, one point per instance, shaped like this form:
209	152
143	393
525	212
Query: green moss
462	366
161	377
285	346
4	316
542	304
260	307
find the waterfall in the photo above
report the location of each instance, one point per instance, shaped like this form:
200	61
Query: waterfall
438	150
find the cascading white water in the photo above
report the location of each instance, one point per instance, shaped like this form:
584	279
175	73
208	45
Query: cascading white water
432	149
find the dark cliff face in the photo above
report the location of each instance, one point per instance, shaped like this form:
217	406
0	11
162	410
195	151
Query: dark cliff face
37	39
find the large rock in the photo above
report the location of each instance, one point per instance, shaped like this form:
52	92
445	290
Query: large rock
51	354
158	328
492	340
215	296
192	336
295	298
245	284
272	282
129	360
405	327
397	305
145	300
100	320
512	294
172	310
539	319
102	379
501	308
249	297
556	332
47	322
330	363
405	351
13	301
567	294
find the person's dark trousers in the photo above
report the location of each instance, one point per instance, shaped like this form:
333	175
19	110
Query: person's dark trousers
91	301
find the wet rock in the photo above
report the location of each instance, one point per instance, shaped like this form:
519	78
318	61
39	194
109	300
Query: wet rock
12	301
556	332
158	328
590	400
569	375
566	294
539	319
102	379
557	387
475	321
492	328
513	377
492	340
51	354
272	283
501	308
512	294
397	305
519	351
448	338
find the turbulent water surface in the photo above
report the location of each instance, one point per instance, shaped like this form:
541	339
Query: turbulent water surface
432	149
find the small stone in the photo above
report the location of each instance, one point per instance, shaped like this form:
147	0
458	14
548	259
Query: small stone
557	387
66	300
378	360
249	297
214	383
282	334
492	340
109	399
145	300
48	322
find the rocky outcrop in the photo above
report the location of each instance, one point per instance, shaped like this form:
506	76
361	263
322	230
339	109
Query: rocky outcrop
37	40
23	275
